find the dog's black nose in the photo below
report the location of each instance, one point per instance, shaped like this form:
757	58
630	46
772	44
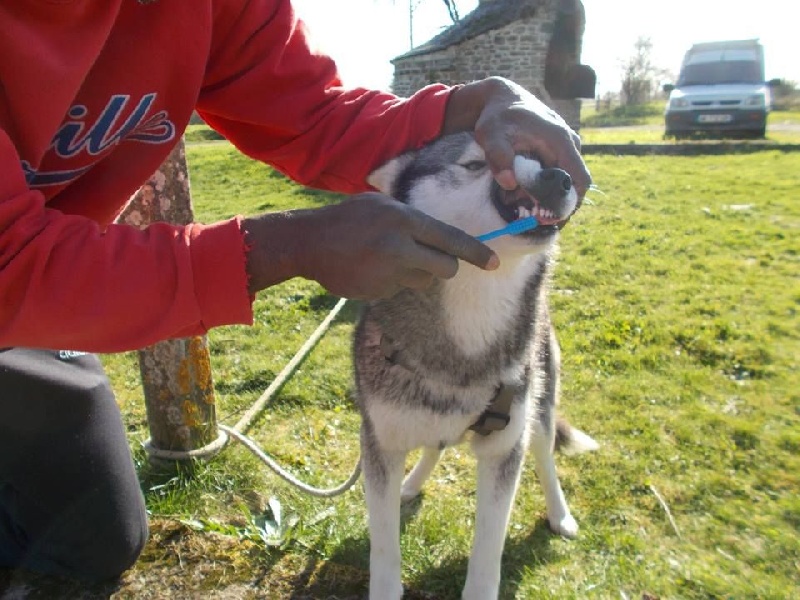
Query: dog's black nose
551	187
554	181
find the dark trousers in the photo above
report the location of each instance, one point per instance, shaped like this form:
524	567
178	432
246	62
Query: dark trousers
70	501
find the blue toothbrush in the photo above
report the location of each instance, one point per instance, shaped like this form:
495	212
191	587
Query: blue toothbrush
515	228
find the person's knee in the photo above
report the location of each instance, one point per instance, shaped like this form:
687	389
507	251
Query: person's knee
112	551
96	540
73	500
126	546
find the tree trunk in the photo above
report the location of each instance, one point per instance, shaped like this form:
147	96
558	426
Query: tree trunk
176	374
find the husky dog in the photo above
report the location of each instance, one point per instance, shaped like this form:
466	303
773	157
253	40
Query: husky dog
471	358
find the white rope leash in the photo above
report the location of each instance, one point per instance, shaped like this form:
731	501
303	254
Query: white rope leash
204	452
285	475
247	419
236	432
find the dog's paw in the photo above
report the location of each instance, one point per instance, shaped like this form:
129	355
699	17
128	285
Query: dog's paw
385	590
482	590
565	526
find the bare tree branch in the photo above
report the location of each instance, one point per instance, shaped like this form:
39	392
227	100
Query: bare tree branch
452	9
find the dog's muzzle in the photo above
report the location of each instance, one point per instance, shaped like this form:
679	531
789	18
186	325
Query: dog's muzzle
546	194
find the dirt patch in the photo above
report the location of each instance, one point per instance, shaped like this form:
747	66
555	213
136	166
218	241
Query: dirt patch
180	562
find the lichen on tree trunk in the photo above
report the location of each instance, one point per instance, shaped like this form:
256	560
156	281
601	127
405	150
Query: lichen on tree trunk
176	374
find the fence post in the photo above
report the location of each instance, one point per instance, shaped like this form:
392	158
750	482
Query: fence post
176	374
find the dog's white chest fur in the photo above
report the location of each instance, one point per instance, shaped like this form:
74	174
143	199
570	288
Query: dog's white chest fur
480	306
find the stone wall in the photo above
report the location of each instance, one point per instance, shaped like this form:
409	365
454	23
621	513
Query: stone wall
517	51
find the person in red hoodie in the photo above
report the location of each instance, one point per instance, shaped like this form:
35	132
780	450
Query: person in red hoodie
93	96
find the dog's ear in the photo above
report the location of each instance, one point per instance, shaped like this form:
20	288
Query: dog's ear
383	178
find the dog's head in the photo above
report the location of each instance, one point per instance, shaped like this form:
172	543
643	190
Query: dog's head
450	180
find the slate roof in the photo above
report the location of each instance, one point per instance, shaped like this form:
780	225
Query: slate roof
486	17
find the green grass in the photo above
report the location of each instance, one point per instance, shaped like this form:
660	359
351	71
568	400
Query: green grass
676	300
639	114
777	132
645	125
652	134
786	116
200	132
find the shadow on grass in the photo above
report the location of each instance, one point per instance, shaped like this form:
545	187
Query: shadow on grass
181	562
256	382
346	572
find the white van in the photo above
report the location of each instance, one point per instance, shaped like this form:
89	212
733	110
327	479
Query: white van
721	87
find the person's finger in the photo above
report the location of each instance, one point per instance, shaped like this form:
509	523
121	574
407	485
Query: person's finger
559	146
570	160
576	140
417	279
554	146
452	241
499	151
548	141
426	259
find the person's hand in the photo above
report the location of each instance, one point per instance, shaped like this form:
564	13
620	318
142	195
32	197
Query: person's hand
366	247
508	120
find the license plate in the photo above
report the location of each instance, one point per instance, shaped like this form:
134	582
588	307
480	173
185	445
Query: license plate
714	118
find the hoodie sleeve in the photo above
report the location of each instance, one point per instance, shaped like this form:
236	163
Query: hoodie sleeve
279	101
67	283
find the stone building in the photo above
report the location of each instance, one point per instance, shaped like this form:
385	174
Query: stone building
536	43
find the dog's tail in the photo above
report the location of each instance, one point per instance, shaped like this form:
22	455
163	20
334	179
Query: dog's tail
570	440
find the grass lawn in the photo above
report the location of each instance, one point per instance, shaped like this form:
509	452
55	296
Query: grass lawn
676	299
779	130
645	125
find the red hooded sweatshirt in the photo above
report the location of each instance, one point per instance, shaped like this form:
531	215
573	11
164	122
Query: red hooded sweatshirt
95	93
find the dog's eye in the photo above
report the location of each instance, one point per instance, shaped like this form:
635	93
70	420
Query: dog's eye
475	165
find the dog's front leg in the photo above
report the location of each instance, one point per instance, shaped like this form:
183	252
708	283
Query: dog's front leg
498	478
383	475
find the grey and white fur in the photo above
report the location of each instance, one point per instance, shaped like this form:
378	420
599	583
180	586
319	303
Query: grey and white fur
429	363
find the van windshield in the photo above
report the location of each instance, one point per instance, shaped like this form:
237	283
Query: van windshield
724	71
